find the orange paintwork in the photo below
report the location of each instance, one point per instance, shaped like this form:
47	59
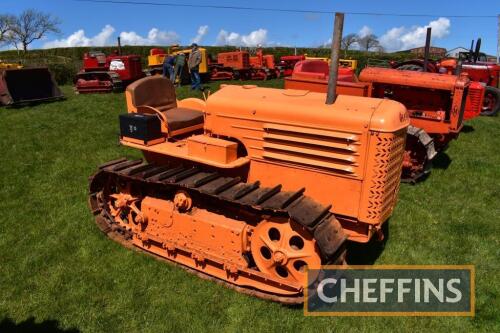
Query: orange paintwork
408	87
201	240
348	154
408	78
210	148
446	90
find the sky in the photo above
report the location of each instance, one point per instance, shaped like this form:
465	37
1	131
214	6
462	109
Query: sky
97	24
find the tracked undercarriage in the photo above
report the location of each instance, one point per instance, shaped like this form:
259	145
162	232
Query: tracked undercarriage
262	246
98	82
419	153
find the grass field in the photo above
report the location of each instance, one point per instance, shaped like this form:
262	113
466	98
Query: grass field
57	271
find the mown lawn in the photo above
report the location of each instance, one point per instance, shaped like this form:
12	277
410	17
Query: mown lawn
58	271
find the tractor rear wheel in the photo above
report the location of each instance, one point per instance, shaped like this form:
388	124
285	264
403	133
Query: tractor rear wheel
491	104
411	67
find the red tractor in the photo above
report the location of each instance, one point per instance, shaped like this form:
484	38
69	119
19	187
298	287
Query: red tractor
474	63
287	63
436	104
104	74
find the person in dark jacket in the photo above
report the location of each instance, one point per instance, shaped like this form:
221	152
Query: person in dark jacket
168	67
194	62
180	61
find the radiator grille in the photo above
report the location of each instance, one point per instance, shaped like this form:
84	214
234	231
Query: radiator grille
474	102
331	150
384	186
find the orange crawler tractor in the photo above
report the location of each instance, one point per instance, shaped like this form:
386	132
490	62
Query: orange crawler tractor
252	185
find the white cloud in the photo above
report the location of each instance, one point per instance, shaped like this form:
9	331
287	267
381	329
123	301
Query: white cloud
79	38
155	37
103	38
365	31
254	38
202	31
402	38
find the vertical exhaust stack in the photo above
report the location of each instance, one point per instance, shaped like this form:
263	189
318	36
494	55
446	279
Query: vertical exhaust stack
427	48
119	46
331	94
477	50
471	51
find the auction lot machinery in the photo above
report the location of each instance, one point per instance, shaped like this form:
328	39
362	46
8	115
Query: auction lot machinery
287	63
252	185
19	86
208	70
475	64
263	66
346	63
105	74
155	61
246	67
436	104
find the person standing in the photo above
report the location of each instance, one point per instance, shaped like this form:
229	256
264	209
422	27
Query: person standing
180	60
168	67
194	67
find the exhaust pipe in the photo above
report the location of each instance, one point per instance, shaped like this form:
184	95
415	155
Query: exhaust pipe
338	25
471	51
119	46
477	50
427	48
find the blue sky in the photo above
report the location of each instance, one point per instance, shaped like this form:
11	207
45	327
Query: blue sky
102	23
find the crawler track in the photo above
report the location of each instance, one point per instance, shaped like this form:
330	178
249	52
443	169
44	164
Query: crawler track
226	193
420	151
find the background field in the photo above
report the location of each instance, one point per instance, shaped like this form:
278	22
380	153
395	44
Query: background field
64	63
57	271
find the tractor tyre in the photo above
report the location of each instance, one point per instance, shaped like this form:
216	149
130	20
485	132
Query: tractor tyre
491	104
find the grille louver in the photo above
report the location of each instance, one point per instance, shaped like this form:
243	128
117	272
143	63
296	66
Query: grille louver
332	150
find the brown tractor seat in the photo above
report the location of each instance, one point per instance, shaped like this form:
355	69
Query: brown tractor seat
179	118
157	94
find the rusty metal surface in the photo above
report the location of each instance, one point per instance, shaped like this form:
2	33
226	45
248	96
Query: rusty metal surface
420	151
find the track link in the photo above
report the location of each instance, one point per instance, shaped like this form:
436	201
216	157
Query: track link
425	160
269	201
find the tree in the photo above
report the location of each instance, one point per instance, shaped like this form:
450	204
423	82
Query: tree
31	25
369	42
6	22
348	41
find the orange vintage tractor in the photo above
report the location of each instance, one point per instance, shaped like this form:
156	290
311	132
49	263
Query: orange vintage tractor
436	104
246	67
263	66
253	185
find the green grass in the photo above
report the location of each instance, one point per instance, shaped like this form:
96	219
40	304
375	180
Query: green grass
57	269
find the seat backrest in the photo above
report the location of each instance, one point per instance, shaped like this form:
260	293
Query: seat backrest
156	91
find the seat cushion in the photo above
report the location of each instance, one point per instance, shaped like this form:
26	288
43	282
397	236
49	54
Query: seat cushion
156	91
179	118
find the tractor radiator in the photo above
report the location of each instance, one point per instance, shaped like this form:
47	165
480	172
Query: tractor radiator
474	101
383	176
